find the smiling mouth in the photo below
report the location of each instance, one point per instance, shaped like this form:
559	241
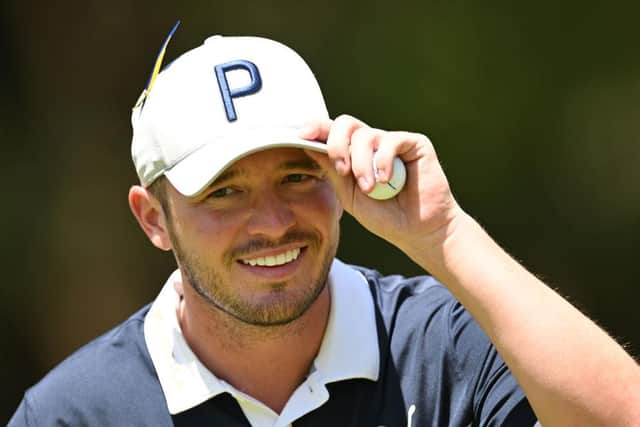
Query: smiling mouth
273	260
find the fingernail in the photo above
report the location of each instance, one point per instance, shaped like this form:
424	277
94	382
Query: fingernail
362	181
340	166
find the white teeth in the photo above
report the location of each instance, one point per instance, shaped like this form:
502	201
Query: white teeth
274	260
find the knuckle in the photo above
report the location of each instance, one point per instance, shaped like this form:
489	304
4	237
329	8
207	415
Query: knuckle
349	123
364	136
423	139
343	117
346	122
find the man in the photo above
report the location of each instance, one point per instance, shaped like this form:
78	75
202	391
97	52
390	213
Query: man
244	177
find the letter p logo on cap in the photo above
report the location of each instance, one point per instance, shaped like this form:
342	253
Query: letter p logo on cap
227	93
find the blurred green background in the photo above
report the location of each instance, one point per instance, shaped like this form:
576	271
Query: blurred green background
534	109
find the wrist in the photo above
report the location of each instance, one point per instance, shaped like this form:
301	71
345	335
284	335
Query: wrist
432	249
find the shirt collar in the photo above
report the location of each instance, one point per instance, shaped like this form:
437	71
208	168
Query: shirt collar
349	348
350	345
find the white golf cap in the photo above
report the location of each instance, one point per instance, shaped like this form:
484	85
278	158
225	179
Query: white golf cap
219	102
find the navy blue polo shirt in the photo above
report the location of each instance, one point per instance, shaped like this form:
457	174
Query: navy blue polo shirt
435	367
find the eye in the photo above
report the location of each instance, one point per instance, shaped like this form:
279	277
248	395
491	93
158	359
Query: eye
221	192
296	177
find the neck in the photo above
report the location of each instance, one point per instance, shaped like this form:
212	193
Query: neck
265	362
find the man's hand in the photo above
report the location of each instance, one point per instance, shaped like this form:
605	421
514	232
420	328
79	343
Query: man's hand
570	370
421	215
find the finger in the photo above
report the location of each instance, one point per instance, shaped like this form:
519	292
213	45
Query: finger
364	142
316	130
390	146
382	166
409	146
339	141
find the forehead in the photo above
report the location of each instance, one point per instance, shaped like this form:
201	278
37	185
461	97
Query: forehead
259	166
264	161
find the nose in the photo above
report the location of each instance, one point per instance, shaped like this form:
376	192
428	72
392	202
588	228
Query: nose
271	216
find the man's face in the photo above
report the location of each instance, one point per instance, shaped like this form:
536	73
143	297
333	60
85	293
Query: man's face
259	242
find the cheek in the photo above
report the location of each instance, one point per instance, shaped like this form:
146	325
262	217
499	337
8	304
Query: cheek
210	230
329	199
323	207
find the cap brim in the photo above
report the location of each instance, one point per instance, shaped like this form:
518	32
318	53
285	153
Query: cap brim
195	172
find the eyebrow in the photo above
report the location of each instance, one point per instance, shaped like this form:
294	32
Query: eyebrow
304	164
227	175
298	164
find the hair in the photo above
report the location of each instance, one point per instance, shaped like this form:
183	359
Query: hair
158	189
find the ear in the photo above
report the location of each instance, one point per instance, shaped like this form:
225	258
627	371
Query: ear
150	215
